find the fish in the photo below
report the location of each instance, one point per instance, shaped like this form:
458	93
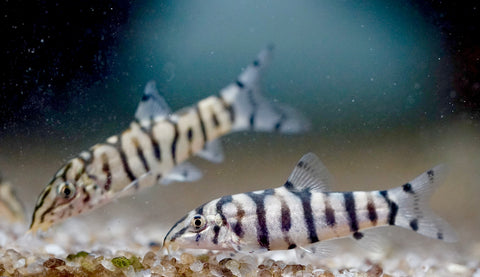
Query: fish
302	214
11	208
155	147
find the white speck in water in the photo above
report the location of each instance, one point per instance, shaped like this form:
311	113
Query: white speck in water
372	79
353	100
42	41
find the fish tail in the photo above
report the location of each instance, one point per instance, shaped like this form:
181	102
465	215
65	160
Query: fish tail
252	111
409	207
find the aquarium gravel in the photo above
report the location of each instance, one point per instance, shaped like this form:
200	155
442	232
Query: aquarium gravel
48	255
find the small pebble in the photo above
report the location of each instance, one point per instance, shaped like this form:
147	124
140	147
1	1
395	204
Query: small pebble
20	263
53	263
187	258
196	266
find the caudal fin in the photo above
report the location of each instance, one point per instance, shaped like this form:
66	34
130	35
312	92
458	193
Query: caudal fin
414	213
252	111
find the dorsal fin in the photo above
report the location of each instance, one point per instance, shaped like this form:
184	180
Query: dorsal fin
309	173
152	104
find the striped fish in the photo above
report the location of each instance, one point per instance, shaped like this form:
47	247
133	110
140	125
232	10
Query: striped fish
155	146
301	213
10	206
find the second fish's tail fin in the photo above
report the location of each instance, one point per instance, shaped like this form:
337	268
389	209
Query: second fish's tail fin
409	206
252	111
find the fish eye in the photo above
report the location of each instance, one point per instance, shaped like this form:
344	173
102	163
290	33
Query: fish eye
198	222
66	190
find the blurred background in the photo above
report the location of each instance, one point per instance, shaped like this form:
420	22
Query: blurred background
392	89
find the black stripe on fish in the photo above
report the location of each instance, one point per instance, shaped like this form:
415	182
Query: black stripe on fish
350	209
228	108
262	230
173	147
372	211
126	167
156	147
106	170
329	212
392	206
237	227
179	233
306	197
253	104
216	230
202	124
414	224
141	155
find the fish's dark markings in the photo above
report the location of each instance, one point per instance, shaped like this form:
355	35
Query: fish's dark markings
215	121
197	238
108	173
126	167
240	84
358	235
190	134
256	63
87	195
439	236
292	246
222	201
238	228
202	124
216	230
173	147
408	188
254	105
146	97
372	212
262	230
156	147
431	175
329	213
286	217
171	229
392	206
414	224
228	108
350	208
306	197
79	173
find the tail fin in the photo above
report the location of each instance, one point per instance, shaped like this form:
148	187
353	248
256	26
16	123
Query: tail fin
413	210
252	111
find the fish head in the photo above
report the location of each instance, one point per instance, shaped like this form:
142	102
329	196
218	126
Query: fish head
65	196
202	228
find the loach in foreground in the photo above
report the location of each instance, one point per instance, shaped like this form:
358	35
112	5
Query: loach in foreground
302	214
10	206
155	146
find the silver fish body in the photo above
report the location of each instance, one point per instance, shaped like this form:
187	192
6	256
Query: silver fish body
301	213
155	147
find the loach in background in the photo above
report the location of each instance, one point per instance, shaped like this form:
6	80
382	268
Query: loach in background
391	90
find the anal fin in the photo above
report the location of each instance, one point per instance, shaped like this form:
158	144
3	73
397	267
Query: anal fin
212	151
184	172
